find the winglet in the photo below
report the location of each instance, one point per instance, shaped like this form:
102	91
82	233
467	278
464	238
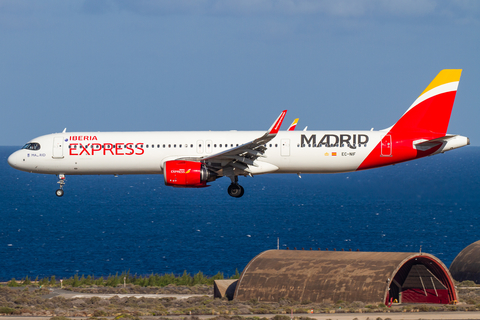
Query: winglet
293	125
277	124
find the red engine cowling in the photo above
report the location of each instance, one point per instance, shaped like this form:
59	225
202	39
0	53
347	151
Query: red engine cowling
186	174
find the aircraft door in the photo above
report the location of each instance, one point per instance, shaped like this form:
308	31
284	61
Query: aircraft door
285	148
200	146
386	146
58	148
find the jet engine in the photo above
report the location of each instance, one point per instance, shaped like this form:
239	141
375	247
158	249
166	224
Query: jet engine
187	174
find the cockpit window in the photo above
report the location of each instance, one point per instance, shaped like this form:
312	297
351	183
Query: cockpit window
32	146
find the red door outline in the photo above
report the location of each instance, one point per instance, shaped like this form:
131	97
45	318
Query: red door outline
386	146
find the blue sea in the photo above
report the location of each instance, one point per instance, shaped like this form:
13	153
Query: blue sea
106	224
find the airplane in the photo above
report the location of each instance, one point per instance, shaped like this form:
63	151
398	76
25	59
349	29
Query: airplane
194	159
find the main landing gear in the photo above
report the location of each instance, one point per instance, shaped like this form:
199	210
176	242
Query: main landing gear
234	189
61	182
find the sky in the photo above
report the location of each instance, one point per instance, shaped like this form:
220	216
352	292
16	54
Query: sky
169	65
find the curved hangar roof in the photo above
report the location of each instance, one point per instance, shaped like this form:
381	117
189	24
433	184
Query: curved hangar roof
330	276
466	265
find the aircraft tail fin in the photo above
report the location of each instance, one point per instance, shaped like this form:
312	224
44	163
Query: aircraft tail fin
293	125
430	113
421	131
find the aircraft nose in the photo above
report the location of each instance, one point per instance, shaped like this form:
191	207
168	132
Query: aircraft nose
14	160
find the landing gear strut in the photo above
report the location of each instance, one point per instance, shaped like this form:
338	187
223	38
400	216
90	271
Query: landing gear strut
61	182
234	189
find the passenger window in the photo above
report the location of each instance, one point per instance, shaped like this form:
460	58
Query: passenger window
191	146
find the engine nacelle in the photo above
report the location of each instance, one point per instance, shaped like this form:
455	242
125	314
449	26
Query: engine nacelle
187	174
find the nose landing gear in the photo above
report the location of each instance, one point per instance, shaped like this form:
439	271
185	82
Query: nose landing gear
61	181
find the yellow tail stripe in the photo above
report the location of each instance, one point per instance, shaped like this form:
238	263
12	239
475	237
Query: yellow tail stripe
443	77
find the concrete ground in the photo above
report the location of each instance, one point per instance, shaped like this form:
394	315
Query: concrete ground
347	316
74	295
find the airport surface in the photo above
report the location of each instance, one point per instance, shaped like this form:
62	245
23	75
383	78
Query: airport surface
444	315
346	316
76	295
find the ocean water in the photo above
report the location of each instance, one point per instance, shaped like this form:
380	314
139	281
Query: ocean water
106	224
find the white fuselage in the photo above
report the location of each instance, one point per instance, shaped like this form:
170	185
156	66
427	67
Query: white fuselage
77	153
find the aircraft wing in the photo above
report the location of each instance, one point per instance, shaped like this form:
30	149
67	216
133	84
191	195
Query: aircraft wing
243	156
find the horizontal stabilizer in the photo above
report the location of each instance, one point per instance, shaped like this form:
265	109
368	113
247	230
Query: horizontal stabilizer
449	142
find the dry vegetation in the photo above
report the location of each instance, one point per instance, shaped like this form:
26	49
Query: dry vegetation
34	301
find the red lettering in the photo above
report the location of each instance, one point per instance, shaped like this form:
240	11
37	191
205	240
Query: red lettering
127	146
83	138
96	147
72	148
114	149
139	147
84	149
109	147
118	148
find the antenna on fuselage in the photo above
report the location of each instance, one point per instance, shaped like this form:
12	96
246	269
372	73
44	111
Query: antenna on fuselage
64	130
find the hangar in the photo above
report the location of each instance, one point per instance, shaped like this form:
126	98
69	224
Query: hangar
331	276
466	265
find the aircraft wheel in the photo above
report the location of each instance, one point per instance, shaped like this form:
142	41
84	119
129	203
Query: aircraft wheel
59	192
235	190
